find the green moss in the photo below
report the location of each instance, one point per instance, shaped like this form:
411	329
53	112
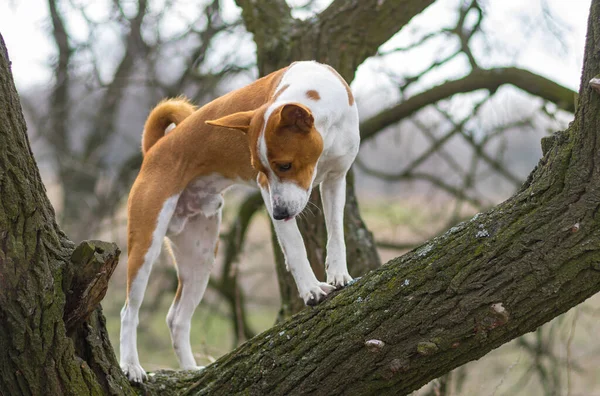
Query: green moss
427	348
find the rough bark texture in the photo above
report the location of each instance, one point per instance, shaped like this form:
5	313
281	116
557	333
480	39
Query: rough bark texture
450	301
87	279
36	270
343	35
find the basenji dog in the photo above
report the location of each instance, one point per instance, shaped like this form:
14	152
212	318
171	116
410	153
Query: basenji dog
289	131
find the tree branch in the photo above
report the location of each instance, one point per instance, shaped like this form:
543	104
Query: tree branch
59	105
348	32
484	282
450	301
343	35
104	127
411	175
490	79
271	23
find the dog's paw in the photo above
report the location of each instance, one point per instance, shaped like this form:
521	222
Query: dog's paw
339	279
134	372
317	293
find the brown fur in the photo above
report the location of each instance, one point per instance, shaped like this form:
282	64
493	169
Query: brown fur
167	112
312	94
348	90
291	138
191	150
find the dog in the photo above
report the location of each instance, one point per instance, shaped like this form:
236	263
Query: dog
286	132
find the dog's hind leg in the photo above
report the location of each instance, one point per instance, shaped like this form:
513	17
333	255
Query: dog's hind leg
147	226
194	249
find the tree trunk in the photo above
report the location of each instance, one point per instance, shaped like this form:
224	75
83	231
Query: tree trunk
481	284
39	277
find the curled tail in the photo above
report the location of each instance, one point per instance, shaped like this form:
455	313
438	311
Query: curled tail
167	112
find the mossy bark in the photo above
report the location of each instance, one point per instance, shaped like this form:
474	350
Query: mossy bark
37	273
450	301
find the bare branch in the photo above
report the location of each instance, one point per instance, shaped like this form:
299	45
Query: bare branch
481	153
104	128
59	104
395	245
490	79
256	13
412	176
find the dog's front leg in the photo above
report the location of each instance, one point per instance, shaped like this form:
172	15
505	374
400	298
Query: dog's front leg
311	290
333	195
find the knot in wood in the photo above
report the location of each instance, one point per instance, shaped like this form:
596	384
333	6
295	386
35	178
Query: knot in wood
595	83
374	345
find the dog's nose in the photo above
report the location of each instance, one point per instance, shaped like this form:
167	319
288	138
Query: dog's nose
280	213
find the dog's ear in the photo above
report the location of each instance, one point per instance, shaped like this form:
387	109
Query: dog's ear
298	115
239	121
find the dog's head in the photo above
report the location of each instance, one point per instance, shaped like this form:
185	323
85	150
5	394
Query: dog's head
285	148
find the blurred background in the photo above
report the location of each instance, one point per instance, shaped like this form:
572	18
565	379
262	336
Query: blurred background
473	85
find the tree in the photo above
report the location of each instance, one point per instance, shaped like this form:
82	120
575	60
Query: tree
452	300
97	183
47	287
343	36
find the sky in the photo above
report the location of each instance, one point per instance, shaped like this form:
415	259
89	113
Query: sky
26	30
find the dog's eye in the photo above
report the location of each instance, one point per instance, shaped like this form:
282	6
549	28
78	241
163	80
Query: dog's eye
284	167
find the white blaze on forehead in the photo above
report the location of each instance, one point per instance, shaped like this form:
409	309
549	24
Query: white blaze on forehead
288	194
262	144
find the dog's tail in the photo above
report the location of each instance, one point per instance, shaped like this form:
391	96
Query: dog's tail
167	112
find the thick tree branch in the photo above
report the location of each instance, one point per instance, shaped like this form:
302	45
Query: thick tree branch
343	35
37	355
452	300
271	23
490	79
348	32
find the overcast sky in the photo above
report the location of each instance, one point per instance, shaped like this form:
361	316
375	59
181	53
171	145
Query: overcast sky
26	30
